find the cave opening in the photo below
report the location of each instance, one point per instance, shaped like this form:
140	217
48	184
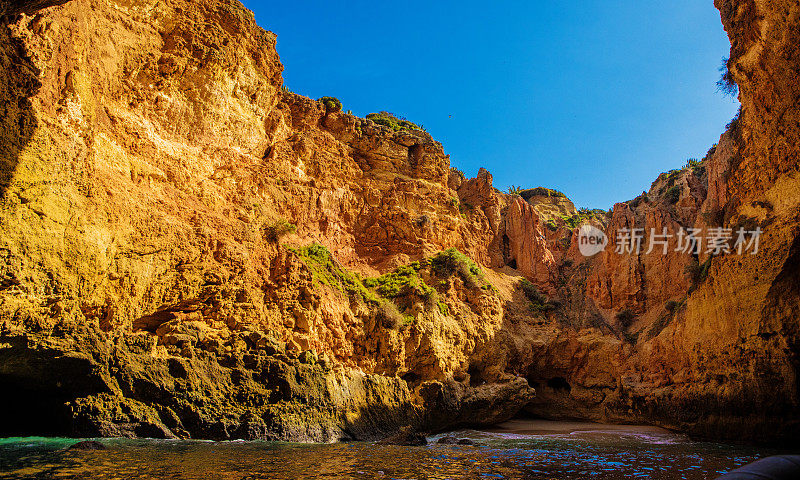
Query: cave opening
37	387
411	378
559	384
508	259
29	409
475	377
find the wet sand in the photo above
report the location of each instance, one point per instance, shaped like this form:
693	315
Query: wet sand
549	427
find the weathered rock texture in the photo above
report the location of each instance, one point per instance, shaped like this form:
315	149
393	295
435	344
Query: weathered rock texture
150	286
148	153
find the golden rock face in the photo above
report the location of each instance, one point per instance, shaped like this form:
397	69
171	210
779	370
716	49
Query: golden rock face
159	192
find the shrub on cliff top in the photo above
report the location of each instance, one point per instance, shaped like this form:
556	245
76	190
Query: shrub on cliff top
692	163
540	192
712	150
458	173
638	200
696	166
332	104
583	215
393	122
733	125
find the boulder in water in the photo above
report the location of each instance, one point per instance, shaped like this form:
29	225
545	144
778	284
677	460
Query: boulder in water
87	445
449	440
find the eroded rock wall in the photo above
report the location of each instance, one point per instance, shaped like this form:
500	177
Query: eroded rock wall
150	157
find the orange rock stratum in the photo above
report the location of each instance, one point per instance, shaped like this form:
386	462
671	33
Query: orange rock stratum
189	250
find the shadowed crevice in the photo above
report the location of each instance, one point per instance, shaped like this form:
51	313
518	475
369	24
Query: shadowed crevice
782	306
18	83
28	7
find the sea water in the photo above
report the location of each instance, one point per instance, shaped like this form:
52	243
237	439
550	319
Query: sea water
592	452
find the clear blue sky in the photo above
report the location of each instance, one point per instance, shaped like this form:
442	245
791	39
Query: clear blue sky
594	98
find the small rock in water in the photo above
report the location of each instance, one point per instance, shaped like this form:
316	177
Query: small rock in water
448	440
87	445
405	437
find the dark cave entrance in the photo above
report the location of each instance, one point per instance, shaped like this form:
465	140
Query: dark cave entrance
559	384
475	377
36	387
27	409
508	260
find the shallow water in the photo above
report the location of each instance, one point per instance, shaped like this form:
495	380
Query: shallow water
594	452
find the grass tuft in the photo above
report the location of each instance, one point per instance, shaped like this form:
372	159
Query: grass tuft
539	302
279	229
328	271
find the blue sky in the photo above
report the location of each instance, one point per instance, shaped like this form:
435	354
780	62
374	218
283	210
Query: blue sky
594	100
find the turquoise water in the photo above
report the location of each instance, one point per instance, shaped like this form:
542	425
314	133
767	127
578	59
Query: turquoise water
594	454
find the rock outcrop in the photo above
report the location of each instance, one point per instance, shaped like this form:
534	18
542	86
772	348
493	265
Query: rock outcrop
187	249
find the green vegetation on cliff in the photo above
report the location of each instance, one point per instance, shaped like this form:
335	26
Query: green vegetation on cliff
698	272
673	194
404	280
278	229
451	261
540	192
327	271
394	122
539	302
332	104
583	215
385	290
727	83
458	173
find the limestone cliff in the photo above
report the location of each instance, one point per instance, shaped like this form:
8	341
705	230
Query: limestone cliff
187	249
151	283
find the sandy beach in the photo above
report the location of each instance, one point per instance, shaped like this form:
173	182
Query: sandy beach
550	427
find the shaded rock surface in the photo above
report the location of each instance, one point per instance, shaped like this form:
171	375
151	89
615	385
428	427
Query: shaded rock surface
448	440
87	445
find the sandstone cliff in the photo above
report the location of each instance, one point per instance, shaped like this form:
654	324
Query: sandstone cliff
190	250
